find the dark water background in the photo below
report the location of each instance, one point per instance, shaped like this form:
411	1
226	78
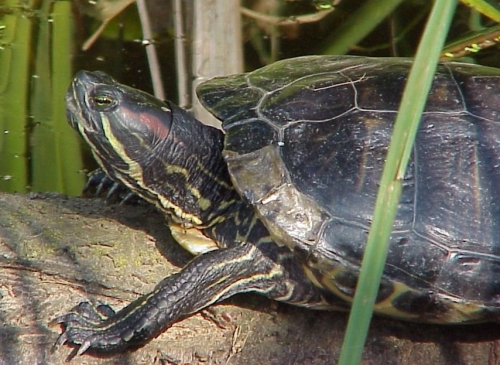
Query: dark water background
40	50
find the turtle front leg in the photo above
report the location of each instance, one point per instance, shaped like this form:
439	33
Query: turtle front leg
207	279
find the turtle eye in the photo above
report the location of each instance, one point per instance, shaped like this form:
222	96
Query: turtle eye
103	101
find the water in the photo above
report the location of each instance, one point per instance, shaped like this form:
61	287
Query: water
39	54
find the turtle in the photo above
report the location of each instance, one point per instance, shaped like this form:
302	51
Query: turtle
279	202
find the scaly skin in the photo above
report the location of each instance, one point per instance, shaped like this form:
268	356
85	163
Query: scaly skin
175	162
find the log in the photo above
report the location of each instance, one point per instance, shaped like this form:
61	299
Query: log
56	251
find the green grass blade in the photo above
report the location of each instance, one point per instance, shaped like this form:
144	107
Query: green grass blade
14	81
406	126
69	148
45	164
484	8
56	156
359	25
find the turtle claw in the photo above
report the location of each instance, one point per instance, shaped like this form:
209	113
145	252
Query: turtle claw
85	326
72	355
63	338
100	185
83	347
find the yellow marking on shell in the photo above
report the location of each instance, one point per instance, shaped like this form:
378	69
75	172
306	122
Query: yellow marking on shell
329	284
455	310
135	171
386	307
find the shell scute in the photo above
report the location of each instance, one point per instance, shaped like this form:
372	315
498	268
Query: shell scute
313	179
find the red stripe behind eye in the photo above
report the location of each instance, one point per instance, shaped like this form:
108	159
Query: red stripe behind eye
151	121
155	125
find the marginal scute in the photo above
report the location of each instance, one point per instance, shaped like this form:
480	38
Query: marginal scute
246	171
250	136
289	213
286	211
230	97
419	303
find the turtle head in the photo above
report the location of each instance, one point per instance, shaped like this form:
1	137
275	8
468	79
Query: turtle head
154	148
116	119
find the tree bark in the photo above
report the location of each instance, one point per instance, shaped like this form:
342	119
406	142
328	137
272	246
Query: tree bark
57	251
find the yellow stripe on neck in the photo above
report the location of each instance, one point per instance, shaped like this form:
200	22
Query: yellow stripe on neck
135	171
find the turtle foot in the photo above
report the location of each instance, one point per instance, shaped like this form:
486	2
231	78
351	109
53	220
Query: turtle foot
100	185
90	327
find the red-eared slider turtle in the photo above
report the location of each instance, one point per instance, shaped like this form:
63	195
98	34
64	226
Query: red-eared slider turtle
286	194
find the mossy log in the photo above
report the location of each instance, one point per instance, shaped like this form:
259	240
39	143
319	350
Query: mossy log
56	251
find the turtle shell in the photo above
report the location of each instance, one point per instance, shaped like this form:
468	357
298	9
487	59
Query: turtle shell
306	141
